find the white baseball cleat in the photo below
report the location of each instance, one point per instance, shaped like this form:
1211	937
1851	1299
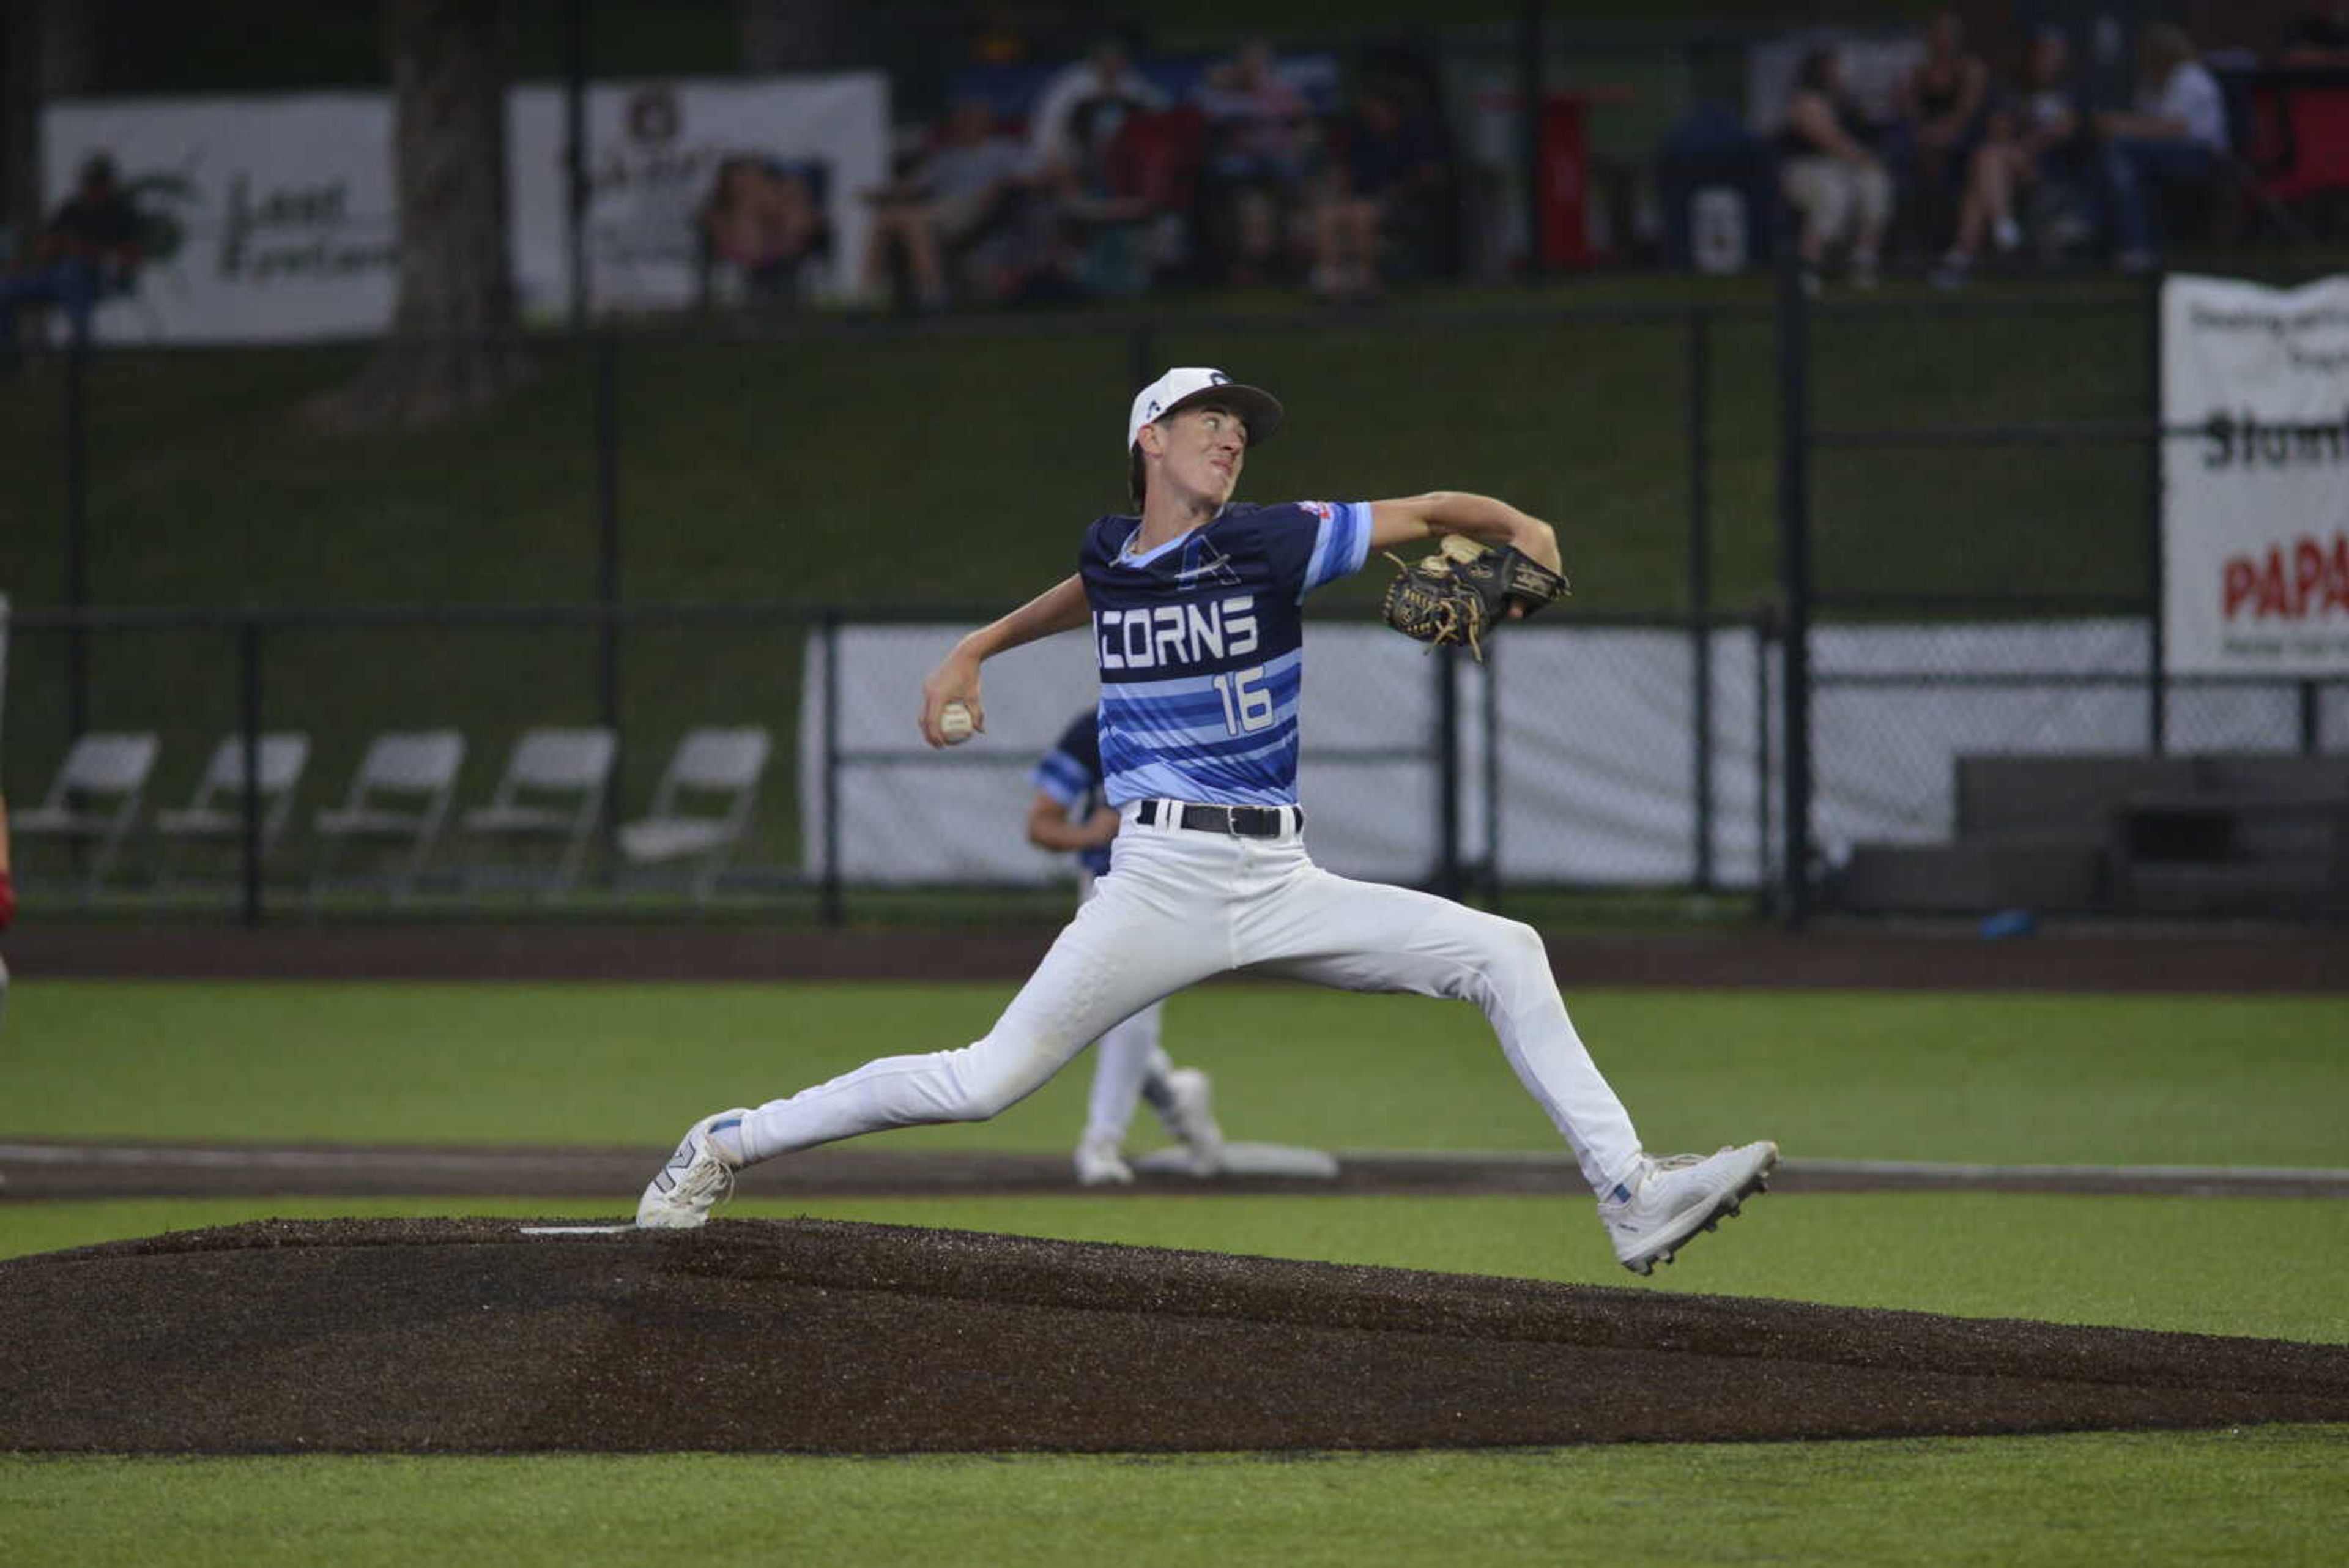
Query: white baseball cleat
1190	1119
698	1176
1672	1198
1100	1163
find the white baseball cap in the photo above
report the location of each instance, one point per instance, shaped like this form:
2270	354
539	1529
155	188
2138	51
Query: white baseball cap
1188	384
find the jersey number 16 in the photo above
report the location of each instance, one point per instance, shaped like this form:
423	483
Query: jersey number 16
1246	705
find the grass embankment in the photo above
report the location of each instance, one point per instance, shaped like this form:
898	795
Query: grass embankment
955	472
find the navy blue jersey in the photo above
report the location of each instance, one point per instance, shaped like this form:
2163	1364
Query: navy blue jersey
1070	773
1201	648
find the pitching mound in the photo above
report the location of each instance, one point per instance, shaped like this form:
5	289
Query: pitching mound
475	1335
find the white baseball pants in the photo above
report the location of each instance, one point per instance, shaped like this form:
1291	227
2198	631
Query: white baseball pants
1180	906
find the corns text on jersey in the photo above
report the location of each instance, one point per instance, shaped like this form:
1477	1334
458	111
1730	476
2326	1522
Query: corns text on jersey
1167	636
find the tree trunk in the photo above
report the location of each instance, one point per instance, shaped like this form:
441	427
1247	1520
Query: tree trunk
45	53
453	346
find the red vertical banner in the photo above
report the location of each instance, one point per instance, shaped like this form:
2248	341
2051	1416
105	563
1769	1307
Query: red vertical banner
1564	175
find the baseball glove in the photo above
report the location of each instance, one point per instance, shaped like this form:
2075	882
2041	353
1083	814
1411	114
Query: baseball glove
1453	597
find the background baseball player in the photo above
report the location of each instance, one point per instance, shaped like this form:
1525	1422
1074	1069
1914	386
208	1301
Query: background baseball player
1195	611
1129	1064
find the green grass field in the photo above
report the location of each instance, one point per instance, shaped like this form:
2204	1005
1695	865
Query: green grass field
2077	1079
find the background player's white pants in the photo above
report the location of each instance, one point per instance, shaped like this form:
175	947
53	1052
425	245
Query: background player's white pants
1179	906
1125	1060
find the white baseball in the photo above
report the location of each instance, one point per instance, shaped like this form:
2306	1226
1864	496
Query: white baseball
954	723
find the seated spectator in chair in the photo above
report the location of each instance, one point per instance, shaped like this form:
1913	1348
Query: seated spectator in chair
1078	113
1830	174
1095	216
1258	134
2032	131
1383	157
762	220
89	250
2175	137
951	199
1941	102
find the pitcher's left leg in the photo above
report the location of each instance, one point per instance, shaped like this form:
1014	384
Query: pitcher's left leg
1366	936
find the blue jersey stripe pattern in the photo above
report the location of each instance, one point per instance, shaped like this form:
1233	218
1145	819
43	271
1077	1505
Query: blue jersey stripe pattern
1201	651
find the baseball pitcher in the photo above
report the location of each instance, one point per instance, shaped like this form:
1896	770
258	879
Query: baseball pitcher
1193	604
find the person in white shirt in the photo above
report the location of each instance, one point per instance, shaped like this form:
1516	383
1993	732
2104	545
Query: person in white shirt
1081	109
2176	136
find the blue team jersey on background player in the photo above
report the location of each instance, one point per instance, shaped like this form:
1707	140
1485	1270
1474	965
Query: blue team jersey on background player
1200	644
1070	773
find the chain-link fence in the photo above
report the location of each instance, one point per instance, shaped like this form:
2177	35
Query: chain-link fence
1989	722
610	548
1578	756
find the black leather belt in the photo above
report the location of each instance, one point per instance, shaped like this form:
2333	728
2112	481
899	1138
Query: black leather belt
1247	821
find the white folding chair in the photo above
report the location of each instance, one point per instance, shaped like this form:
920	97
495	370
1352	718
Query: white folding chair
400	794
94	799
552	790
216	813
720	767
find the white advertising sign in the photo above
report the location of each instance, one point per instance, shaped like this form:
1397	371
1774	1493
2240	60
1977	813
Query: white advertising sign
655	149
2255	506
274	218
265	217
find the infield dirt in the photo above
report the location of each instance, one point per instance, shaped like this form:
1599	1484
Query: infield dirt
471	1335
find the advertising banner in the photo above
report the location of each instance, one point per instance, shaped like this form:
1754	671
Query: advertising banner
261	218
277	217
2255	502
655	152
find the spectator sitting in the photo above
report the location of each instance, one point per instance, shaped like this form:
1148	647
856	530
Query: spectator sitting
1942	99
1830	174
953	198
89	249
1258	130
763	219
2029	131
1099	207
1383	157
1080	110
2175	137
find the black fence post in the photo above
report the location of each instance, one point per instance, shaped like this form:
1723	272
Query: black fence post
1532	44
77	542
1763	890
1699	583
1447	748
574	158
248	663
609	586
1491	702
1794	568
1142	363
2156	578
833	907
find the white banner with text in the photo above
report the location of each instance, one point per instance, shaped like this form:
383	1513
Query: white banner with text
2255	502
275	218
